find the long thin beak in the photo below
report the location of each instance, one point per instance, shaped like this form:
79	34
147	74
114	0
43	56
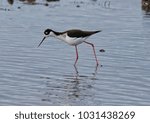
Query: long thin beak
41	41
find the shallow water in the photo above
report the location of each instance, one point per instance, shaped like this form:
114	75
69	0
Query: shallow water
46	75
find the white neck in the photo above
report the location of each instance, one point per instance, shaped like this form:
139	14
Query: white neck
60	37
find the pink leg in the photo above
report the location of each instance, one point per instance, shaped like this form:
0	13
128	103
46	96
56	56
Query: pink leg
76	56
93	51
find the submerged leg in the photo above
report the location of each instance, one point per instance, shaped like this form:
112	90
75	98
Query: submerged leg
93	51
76	56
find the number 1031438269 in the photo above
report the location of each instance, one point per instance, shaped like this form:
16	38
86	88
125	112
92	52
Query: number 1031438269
106	115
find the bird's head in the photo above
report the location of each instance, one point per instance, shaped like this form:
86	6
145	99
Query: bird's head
47	33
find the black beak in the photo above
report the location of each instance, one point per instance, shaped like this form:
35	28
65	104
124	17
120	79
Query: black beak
41	41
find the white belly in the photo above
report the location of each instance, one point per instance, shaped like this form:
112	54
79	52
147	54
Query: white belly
74	41
71	41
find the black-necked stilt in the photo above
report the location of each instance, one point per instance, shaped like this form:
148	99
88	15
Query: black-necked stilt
72	37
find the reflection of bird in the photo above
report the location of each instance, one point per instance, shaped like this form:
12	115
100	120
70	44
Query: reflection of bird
146	5
72	37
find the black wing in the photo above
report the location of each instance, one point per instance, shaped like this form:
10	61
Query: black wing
80	33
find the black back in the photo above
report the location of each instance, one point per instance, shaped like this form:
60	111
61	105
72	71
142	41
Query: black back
79	33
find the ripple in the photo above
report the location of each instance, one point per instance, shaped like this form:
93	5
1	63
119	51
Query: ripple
46	75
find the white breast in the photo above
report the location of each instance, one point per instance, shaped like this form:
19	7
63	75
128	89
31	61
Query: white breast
71	41
74	41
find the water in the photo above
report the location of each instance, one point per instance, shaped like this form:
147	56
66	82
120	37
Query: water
46	75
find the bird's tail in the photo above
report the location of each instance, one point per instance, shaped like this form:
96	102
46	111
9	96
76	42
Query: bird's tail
98	31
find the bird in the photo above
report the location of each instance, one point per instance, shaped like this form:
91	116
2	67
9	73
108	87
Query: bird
73	37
